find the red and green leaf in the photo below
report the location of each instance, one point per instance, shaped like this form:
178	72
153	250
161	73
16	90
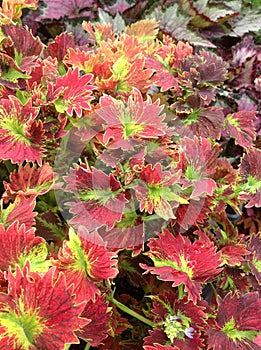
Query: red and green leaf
99	198
177	259
20	210
240	126
36	305
18	245
237	322
126	123
25	47
21	136
76	95
85	262
29	181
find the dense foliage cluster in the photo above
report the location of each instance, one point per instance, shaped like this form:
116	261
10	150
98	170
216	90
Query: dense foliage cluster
130	165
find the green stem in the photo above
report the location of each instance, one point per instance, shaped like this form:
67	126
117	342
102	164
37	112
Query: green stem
132	313
87	346
180	291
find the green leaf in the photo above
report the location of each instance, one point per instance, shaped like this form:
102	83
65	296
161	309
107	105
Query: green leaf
25	326
60	105
81	261
5	212
13	75
23	96
121	67
236	334
170	194
18	57
257	264
37	257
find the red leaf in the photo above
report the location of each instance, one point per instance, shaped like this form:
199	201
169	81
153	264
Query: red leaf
98	328
21	210
126	123
234	254
198	160
254	245
128	234
180	323
59	47
24	44
206	122
250	171
29	181
85	262
15	244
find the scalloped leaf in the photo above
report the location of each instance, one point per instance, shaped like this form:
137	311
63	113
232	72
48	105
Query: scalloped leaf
238	322
248	21
176	24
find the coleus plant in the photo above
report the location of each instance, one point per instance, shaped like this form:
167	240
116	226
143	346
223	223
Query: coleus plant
129	166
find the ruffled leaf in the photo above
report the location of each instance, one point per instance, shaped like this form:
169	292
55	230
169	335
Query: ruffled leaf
97	330
21	210
250	171
58	48
12	10
254	246
198	159
146	29
117	22
206	122
248	21
177	259
127	234
26	48
176	23
126	123
180	323
156	191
